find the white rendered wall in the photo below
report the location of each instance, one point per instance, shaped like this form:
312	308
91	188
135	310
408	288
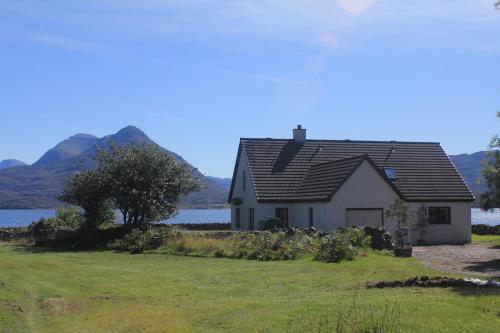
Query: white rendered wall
364	189
457	232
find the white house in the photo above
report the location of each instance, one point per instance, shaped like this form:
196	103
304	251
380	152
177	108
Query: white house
337	183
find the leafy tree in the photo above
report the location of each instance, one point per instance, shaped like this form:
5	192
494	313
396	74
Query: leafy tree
145	183
400	211
491	172
89	190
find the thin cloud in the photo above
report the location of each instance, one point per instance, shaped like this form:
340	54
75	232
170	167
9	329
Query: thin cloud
472	24
355	7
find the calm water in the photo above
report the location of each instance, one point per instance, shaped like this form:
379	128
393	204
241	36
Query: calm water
24	217
17	218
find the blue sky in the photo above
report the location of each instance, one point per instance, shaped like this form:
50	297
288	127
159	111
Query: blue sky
197	75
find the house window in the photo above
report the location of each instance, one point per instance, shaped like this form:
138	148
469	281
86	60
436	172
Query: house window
391	174
237	218
439	215
244	180
251	218
282	214
311	217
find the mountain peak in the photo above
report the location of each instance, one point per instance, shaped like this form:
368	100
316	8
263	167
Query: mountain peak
126	135
83	136
68	148
131	130
10	163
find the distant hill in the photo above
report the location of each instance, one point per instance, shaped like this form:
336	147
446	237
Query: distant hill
10	164
470	167
37	185
222	182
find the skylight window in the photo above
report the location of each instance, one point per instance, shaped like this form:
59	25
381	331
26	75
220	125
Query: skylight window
391	174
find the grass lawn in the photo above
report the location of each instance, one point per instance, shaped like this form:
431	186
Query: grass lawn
120	292
486	238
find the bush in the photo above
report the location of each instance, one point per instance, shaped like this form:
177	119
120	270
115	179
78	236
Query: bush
484	229
335	248
255	246
270	224
380	239
139	241
357	237
268	246
48	231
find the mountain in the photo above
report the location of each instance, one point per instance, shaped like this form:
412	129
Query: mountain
37	185
471	167
222	182
67	149
10	164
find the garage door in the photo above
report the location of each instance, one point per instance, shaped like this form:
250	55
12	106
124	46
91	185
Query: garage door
365	216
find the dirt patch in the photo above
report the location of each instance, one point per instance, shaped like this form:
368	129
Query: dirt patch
481	259
57	306
13	306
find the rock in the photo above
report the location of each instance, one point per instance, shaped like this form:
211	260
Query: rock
436	282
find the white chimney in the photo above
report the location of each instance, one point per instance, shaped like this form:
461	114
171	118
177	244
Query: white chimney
299	134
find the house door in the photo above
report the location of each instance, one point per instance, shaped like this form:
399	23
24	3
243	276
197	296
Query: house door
364	216
282	214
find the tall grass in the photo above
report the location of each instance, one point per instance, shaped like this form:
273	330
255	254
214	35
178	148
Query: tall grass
201	246
353	318
261	246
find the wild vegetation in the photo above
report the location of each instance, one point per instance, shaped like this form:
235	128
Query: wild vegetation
491	197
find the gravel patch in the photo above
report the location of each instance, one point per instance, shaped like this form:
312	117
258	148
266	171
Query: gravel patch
481	259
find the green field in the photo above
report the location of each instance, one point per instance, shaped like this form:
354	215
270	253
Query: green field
486	238
119	292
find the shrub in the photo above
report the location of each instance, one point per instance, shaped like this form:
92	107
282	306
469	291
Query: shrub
380	239
256	246
270	224
484	229
138	241
268	246
335	248
357	237
48	231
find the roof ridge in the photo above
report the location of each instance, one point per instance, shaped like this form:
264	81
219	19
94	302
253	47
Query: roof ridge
346	140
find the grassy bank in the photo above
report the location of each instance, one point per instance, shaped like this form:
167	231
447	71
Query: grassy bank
486	238
106	291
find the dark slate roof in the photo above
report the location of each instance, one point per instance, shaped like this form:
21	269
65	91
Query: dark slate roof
287	170
324	179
